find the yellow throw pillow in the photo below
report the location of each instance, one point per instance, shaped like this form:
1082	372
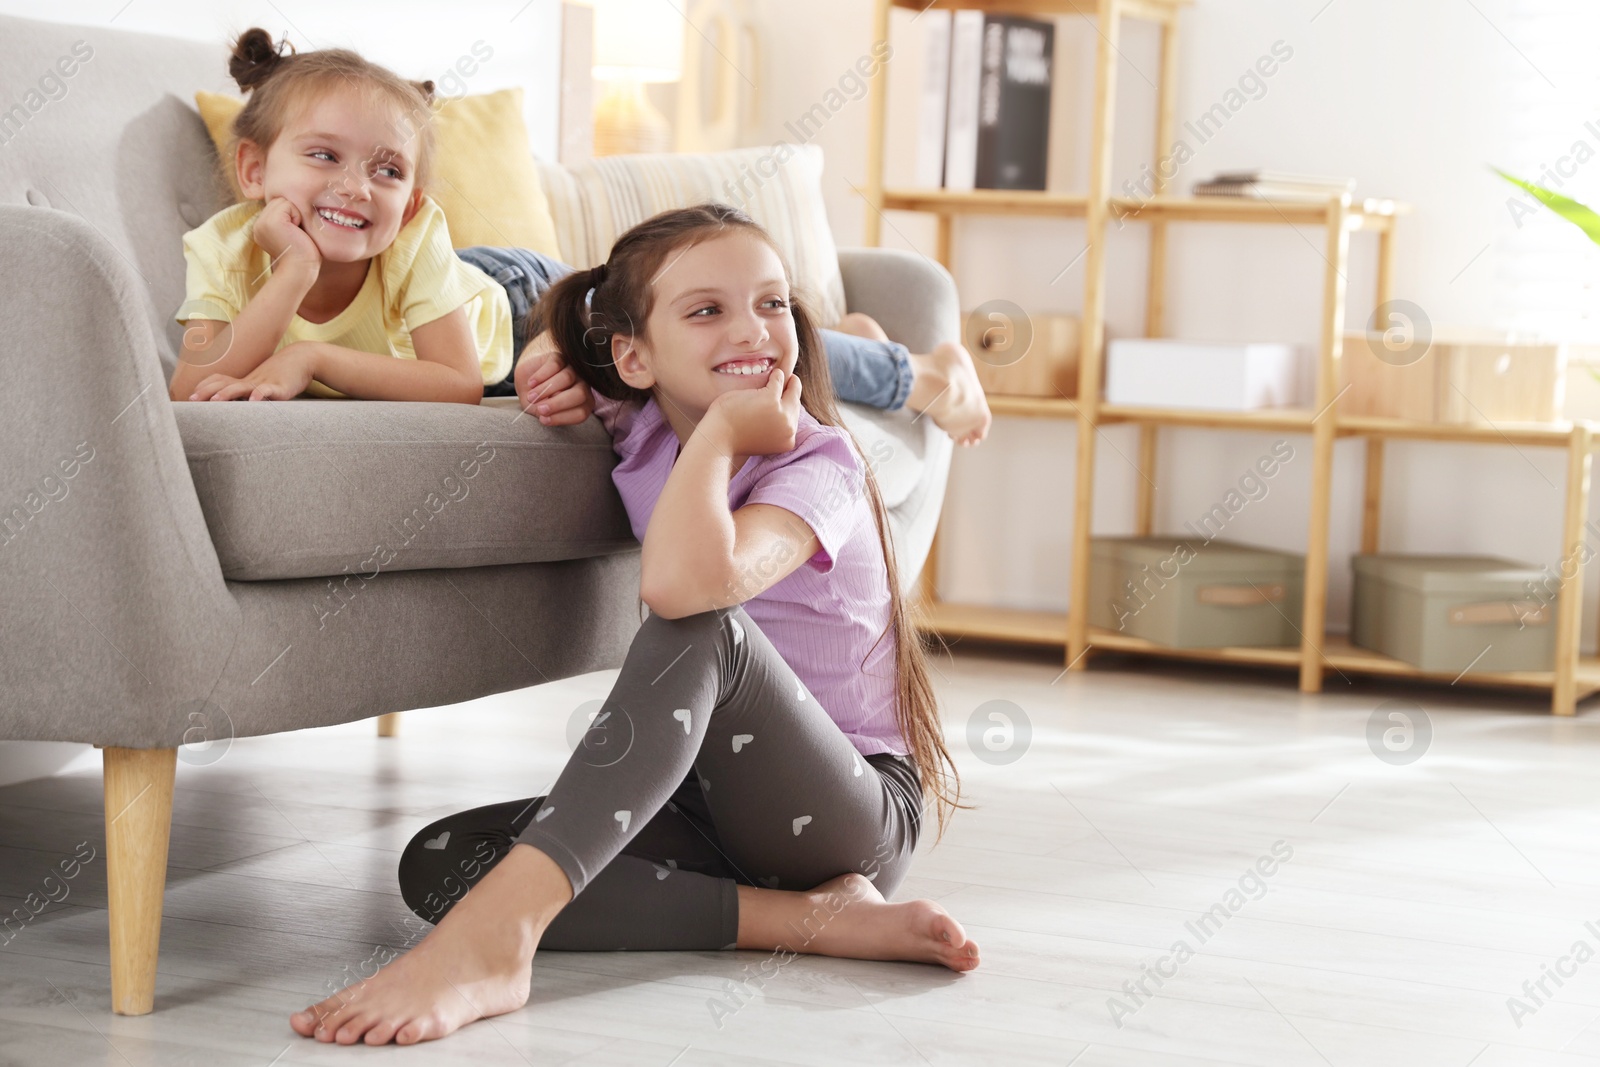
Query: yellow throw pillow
484	176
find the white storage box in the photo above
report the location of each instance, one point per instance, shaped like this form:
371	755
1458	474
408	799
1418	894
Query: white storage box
1156	372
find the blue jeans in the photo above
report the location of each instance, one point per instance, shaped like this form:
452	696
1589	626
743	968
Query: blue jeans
864	371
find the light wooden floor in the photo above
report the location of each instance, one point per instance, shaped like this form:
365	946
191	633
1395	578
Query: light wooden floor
1417	899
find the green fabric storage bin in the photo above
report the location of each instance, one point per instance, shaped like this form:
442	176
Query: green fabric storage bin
1186	593
1444	613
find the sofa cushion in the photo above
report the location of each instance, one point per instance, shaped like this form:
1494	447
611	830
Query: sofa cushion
597	202
312	488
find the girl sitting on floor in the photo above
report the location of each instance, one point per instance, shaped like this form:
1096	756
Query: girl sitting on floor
757	776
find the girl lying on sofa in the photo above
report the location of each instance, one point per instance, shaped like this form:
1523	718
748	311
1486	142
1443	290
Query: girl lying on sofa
336	276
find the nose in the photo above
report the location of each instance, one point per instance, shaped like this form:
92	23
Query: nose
354	184
747	328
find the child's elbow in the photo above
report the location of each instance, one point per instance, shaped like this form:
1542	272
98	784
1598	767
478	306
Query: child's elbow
675	599
664	609
470	391
660	597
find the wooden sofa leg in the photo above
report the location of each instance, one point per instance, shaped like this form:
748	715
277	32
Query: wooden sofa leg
389	725
138	787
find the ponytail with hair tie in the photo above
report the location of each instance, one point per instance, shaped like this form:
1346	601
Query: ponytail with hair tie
581	321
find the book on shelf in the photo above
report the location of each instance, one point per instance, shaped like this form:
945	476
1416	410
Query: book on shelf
935	99
984	119
1261	184
1014	103
1278	177
961	121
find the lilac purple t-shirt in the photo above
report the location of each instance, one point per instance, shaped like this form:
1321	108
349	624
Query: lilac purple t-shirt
825	617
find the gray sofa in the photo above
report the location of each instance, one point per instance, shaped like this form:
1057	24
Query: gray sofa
174	573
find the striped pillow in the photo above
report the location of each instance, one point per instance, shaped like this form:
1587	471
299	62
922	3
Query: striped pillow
596	202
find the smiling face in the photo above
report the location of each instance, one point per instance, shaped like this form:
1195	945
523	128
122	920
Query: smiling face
720	321
342	164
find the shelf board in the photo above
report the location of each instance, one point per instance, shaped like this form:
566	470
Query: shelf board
1299	420
1368	214
1295	420
1000	624
1039	407
987	202
1113	640
1556	434
1371	214
1338	652
1149	9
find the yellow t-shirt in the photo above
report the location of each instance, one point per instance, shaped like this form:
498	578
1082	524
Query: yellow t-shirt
414	281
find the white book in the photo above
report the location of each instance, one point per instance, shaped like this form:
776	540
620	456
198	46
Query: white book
966	75
935	99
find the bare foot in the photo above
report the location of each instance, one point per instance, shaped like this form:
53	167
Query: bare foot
945	385
474	964
849	918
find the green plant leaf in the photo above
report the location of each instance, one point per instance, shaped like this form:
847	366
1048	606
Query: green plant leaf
1580	216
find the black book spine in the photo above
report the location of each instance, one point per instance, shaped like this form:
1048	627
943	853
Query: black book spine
1014	103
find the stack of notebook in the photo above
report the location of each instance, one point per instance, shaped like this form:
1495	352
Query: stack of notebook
1273	185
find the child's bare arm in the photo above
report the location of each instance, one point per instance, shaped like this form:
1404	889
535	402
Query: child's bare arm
445	370
697	555
238	348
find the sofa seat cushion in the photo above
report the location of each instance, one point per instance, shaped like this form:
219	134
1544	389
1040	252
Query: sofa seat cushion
313	488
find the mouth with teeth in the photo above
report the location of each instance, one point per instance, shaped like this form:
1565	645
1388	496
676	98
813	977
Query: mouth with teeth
341	219
746	368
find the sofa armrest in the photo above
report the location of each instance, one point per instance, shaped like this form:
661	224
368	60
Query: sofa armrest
118	616
913	298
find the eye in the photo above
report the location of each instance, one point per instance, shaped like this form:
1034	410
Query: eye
696	313
322	152
778	302
398	175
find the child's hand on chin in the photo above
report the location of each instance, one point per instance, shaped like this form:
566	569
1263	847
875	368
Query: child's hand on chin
280	231
756	422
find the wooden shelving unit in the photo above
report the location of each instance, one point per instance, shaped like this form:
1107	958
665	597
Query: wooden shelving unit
1572	678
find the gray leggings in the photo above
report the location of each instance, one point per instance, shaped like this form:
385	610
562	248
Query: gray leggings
707	767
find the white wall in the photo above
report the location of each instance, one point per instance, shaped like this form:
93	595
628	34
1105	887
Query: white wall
414	38
1415	100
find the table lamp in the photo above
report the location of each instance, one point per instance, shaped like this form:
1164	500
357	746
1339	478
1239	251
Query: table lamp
635	42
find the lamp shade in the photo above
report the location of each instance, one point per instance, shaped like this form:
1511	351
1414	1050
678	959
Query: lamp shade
638	39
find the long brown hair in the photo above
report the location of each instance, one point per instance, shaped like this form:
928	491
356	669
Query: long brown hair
582	324
280	84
